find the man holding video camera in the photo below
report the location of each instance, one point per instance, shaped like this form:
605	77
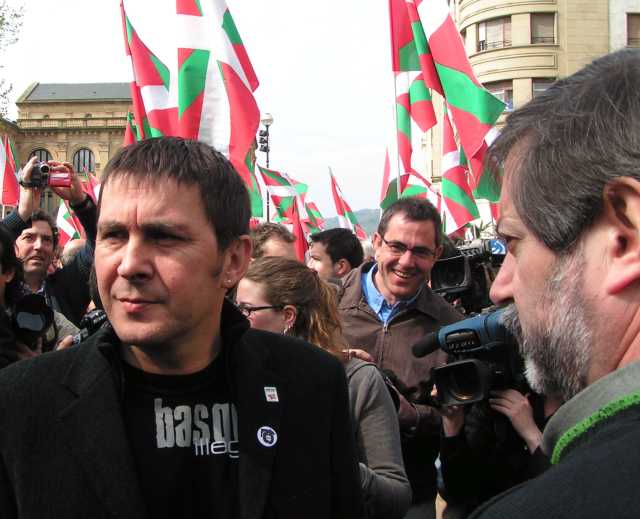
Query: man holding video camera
571	220
385	307
67	289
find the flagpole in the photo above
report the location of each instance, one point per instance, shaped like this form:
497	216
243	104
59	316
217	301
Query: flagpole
395	109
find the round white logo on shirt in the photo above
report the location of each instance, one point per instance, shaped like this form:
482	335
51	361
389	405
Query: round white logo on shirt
267	436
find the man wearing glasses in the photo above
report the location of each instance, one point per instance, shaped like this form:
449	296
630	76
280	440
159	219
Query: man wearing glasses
385	307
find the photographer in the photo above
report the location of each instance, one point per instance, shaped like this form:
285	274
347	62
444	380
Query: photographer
491	446
66	290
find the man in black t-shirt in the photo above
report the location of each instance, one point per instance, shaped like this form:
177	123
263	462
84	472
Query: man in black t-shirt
178	409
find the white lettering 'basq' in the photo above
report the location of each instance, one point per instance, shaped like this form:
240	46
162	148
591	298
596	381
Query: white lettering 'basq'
210	431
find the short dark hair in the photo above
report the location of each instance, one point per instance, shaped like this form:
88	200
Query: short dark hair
42	216
570	141
415	210
340	244
10	262
192	163
266	231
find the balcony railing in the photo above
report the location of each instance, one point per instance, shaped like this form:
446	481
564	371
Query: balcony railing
61	124
486	45
543	39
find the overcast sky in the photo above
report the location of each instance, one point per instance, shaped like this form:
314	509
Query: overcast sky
323	69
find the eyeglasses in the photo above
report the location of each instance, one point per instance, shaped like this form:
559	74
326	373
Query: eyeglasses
247	310
398	248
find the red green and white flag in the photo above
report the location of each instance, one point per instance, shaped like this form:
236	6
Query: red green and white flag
389	193
473	109
287	195
414	112
9	166
130	131
459	205
69	227
314	221
346	218
192	76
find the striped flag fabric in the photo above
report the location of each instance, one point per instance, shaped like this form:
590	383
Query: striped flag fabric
346	218
473	109
414	107
192	76
9	166
69	227
459	205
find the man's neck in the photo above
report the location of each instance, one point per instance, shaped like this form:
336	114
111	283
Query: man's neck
34	280
182	359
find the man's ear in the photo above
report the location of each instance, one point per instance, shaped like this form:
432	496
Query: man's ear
290	314
621	221
341	267
236	261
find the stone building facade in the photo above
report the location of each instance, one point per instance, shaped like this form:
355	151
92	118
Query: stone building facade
81	123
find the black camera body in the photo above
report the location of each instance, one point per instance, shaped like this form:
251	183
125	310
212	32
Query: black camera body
483	357
467	275
90	324
40	175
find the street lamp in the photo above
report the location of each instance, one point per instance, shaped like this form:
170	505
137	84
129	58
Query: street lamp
266	120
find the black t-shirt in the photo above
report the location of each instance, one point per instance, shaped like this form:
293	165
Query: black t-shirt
183	431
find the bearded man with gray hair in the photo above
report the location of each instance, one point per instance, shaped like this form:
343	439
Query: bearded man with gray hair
571	220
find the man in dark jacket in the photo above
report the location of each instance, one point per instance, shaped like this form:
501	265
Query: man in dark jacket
570	215
385	307
67	289
179	409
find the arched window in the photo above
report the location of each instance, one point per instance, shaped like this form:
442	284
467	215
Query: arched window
83	160
42	154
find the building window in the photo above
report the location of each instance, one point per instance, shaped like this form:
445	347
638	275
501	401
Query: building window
494	34
503	90
633	29
42	154
463	35
83	160
543	28
540	85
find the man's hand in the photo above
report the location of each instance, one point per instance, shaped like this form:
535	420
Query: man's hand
357	354
515	406
29	196
74	193
452	417
65	343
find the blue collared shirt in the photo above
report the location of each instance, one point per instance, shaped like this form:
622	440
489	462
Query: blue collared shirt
376	300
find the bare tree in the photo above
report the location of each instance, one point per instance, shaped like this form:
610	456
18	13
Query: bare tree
10	25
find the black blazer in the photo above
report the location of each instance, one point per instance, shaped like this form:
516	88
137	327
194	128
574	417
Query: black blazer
64	451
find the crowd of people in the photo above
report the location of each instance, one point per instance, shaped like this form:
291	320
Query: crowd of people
230	379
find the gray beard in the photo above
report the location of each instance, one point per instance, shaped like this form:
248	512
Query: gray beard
557	349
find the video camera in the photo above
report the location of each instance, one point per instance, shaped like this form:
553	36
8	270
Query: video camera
90	324
484	357
42	176
467	275
31	320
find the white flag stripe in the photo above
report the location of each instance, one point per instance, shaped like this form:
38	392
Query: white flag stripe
450	160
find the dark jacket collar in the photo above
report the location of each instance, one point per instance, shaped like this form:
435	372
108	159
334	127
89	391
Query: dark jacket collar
95	429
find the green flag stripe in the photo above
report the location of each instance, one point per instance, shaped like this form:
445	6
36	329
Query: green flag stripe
465	95
487	187
230	28
403	119
454	192
129	28
192	77
409	57
420	39
418	91
199	7
162	70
